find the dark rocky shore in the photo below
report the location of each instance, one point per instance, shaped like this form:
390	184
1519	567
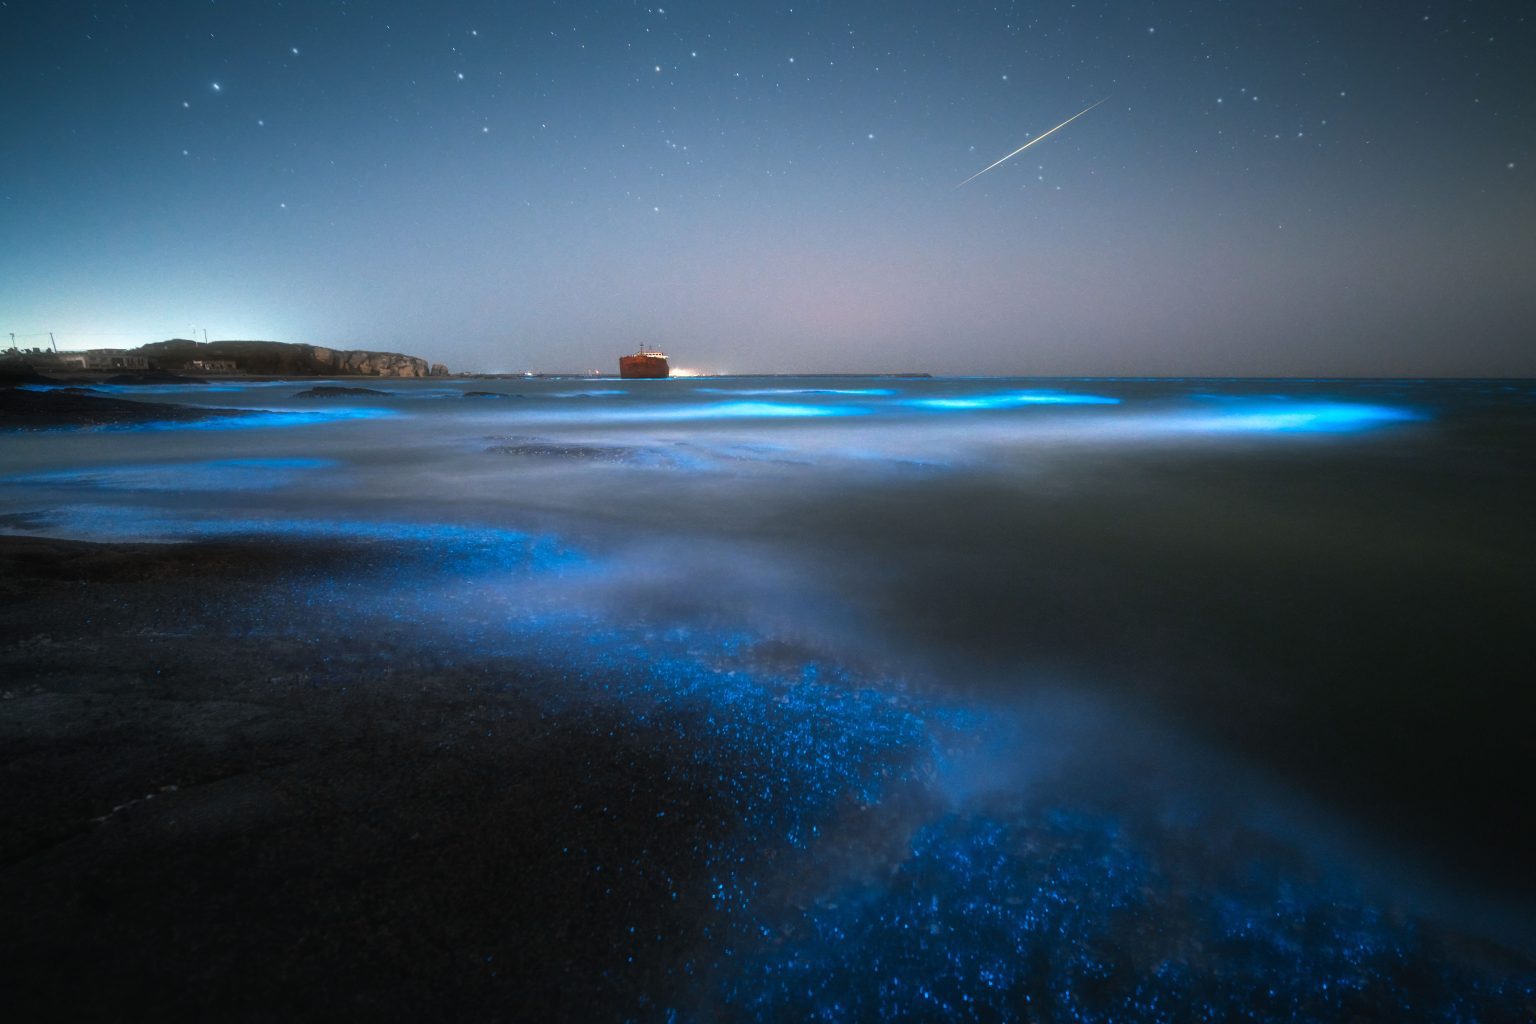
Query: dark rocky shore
335	391
77	407
206	820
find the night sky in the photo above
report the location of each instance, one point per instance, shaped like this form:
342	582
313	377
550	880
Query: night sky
1317	188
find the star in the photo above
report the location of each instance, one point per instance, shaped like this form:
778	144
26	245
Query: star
217	87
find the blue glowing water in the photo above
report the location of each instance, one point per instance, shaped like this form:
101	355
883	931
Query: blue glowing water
861	613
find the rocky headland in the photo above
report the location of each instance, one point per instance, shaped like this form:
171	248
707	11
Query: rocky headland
278	358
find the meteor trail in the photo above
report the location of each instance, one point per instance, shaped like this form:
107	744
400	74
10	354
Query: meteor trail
1031	142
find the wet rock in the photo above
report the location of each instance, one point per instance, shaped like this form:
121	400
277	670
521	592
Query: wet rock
335	391
44	410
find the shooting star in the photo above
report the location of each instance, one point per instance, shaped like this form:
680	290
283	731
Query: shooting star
1031	142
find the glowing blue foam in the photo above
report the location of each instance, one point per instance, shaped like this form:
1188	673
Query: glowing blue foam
746	410
253	419
258	419
797	391
1013	399
1284	416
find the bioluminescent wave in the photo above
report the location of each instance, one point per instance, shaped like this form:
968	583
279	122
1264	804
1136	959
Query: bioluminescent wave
253	419
734	411
1318	417
880	392
1012	400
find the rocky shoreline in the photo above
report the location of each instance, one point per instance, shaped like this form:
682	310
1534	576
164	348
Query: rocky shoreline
249	358
77	407
215	818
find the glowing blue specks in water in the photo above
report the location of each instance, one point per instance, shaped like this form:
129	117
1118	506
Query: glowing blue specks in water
1012	400
1048	913
853	887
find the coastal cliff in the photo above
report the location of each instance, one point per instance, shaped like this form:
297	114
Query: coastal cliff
279	358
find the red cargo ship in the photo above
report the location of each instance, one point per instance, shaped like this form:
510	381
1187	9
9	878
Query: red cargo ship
646	364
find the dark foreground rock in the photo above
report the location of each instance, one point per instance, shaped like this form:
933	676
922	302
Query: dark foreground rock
73	407
15	371
490	394
336	391
211	818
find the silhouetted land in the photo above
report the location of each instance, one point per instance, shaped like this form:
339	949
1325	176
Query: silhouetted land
76	407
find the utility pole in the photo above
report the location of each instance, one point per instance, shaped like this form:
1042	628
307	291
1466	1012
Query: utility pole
205	335
54	342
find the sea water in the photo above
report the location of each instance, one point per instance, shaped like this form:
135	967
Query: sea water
1156	698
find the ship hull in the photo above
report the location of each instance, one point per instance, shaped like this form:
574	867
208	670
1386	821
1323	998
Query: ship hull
643	367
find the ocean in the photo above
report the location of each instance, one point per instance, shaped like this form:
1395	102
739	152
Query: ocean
1093	699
